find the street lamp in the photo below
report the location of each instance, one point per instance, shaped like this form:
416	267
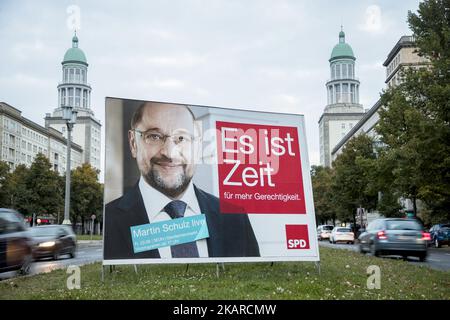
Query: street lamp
70	116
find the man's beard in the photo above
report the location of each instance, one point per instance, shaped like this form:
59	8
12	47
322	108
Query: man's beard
156	180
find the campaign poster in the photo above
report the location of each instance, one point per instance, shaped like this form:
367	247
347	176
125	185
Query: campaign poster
199	184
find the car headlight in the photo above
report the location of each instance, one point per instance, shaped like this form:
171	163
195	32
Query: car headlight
47	244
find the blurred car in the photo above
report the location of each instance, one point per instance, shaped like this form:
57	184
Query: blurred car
395	236
440	234
324	231
53	241
342	234
15	242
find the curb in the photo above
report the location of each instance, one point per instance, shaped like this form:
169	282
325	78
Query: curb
89	241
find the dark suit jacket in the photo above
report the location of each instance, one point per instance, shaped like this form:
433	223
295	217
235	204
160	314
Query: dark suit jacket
230	235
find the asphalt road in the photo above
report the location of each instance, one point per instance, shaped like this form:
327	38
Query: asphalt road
438	258
87	252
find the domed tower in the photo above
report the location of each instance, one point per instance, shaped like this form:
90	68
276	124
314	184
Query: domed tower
343	109
343	87
75	91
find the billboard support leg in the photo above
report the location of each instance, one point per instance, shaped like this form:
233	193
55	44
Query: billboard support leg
271	264
135	269
317	264
187	267
217	270
103	273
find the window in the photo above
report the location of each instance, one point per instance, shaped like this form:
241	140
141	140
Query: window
333	72
24	145
77	97
63	97
29	146
66	75
77	75
343	126
70	102
34	148
71	75
352	93
338	71
350	71
338	93
345	92
83	76
350	125
344	71
85	98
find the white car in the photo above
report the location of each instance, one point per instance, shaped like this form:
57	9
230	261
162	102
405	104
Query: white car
324	231
342	234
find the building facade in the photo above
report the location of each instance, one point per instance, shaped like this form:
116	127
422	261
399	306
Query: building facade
343	109
75	91
22	139
402	56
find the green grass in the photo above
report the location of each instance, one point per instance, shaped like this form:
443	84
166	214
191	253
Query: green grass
88	237
343	277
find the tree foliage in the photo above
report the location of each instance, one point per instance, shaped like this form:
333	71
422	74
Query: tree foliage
351	185
45	195
86	193
4	174
414	123
322	180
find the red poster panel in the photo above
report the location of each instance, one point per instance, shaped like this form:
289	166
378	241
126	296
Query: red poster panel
259	169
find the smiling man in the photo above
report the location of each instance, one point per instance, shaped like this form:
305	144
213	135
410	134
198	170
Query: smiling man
163	139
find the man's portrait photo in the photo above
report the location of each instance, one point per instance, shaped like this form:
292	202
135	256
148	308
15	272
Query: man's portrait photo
156	165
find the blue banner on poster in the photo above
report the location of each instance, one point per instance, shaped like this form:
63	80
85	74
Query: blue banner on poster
168	233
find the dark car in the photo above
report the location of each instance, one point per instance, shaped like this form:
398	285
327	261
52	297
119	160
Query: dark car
53	241
395	236
15	243
440	234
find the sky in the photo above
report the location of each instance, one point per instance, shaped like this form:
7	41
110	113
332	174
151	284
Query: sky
265	55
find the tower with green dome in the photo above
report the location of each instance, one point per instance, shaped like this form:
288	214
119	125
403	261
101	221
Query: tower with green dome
75	91
343	109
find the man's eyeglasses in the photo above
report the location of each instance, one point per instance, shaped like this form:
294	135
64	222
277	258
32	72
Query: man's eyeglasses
156	138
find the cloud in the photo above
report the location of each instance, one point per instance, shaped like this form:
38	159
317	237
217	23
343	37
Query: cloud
26	80
377	65
161	84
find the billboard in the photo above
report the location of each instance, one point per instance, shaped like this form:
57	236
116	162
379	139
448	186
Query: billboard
193	184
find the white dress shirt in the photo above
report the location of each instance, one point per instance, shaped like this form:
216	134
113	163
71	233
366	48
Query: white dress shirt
155	201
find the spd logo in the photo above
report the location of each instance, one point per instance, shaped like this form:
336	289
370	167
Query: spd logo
297	236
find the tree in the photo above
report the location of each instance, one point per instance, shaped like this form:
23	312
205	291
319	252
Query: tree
322	178
17	189
86	195
4	174
352	178
45	196
415	120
